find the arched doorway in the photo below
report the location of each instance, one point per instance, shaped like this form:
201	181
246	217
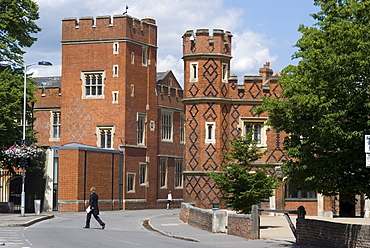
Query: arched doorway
15	192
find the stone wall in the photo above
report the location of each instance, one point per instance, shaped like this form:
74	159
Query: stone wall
221	221
240	225
200	218
329	234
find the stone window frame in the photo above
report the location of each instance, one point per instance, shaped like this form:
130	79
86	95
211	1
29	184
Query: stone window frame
194	74
167	126
132	90
143	180
225	72
144	56
210	132
55	125
88	88
182	129
179	176
115	47
163	173
115	70
253	121
98	133
130	182
115	97
141	119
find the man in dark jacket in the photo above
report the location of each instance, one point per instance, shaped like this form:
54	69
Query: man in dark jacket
93	209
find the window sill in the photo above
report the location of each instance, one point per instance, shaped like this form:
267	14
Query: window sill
131	146
210	141
301	199
93	97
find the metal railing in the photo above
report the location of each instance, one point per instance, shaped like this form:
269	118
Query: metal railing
10	188
286	214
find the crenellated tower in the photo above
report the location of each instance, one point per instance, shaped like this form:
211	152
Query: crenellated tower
107	63
206	71
219	109
109	99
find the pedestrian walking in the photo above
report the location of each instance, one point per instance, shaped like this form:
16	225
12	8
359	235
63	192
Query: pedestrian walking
93	209
169	200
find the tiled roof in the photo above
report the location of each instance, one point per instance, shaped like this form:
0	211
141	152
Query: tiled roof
48	81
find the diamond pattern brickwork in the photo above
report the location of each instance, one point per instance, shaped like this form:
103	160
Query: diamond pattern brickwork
210	113
254	90
210	164
278	154
210	74
193	138
202	190
235	114
276	91
193	90
76	130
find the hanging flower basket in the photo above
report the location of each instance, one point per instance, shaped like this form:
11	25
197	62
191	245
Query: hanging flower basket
23	152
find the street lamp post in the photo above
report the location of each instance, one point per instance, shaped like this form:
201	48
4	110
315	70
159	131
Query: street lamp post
6	63
45	63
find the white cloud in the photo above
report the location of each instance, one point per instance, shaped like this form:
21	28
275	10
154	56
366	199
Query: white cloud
173	17
250	52
45	71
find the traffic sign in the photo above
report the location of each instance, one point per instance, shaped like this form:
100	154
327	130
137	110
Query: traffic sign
367	160
367	143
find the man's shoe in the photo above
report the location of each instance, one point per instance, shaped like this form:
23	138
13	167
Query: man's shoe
86	227
103	226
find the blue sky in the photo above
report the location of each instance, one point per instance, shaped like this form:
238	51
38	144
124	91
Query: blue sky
262	30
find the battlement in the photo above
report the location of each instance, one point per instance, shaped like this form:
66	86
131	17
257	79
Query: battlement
108	28
202	42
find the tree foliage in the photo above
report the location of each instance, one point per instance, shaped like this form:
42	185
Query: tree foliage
326	104
17	24
241	187
11	112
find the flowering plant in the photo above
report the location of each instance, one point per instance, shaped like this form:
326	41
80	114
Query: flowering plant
17	151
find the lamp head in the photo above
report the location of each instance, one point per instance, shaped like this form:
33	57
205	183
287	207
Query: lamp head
47	63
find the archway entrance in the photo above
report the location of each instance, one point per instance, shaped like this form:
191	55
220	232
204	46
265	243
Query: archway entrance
15	192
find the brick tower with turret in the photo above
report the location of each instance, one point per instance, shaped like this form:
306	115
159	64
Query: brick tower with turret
218	109
206	64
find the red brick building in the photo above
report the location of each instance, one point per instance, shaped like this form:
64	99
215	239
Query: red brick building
218	109
112	121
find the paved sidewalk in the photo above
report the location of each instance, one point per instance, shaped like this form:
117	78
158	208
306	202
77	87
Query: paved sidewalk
14	219
169	224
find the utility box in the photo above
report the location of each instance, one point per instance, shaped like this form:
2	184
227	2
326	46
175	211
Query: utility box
37	207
